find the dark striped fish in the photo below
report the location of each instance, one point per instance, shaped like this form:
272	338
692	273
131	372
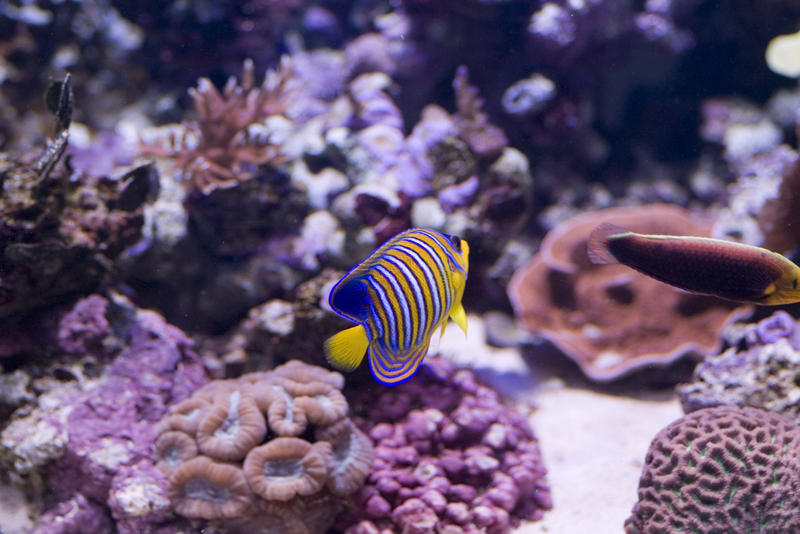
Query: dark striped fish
724	269
399	295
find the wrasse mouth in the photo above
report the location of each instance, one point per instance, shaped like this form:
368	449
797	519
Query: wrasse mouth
786	296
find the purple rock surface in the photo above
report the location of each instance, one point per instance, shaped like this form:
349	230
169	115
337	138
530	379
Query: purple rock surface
448	455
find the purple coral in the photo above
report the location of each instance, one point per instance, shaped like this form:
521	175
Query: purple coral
449	456
759	370
95	438
722	469
778	325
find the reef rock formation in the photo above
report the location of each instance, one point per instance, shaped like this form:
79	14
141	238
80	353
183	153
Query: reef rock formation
722	469
61	229
85	448
269	449
609	318
759	370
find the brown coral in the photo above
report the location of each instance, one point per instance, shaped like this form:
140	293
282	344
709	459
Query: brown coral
230	429
203	488
608	318
184	416
721	469
208	441
286	467
172	448
352	454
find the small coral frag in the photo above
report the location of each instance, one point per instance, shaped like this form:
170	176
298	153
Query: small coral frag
721	470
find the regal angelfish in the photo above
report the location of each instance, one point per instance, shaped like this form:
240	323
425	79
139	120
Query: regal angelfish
399	296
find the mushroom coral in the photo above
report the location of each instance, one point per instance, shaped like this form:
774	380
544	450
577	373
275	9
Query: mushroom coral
721	469
267	448
609	318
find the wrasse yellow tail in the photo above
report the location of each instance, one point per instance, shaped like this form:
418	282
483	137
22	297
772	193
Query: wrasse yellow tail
346	349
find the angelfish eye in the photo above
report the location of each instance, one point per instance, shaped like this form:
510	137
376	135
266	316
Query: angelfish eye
455	241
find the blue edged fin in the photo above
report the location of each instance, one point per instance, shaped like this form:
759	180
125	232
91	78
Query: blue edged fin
346	349
390	368
597	247
349	298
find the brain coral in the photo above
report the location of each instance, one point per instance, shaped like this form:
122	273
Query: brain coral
269	448
609	318
721	470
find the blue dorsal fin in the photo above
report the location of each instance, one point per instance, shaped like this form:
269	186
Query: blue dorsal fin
349	298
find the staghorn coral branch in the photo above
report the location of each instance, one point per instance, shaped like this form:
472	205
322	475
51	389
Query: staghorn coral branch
217	148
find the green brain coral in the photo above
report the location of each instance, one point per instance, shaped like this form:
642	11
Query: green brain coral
721	470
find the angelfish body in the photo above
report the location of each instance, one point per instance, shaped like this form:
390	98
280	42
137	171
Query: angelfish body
399	296
724	269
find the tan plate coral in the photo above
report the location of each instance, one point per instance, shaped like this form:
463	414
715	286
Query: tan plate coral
262	448
609	318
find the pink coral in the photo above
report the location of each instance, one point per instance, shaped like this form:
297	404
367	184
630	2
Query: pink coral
220	149
608	318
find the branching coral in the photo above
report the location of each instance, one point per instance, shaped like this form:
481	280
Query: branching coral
262	449
610	319
473	124
229	140
722	469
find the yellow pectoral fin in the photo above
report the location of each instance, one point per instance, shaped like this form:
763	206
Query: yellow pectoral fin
346	349
459	316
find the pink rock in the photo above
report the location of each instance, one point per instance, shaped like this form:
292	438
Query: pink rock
378	507
434	499
458	512
415	517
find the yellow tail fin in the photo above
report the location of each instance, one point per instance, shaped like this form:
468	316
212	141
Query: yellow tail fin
346	349
459	316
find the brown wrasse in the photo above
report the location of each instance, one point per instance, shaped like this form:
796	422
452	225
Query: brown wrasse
724	269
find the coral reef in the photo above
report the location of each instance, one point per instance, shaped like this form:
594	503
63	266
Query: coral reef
605	317
763	201
83	446
276	329
722	469
60	229
494	120
263	449
449	457
219	148
758	370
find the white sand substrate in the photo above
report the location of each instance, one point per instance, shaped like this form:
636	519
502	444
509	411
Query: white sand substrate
593	437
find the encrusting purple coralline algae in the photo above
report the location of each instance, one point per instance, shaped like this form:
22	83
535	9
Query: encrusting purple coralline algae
759	369
86	447
450	457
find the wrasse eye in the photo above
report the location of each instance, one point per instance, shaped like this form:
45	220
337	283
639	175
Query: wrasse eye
794	283
455	241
